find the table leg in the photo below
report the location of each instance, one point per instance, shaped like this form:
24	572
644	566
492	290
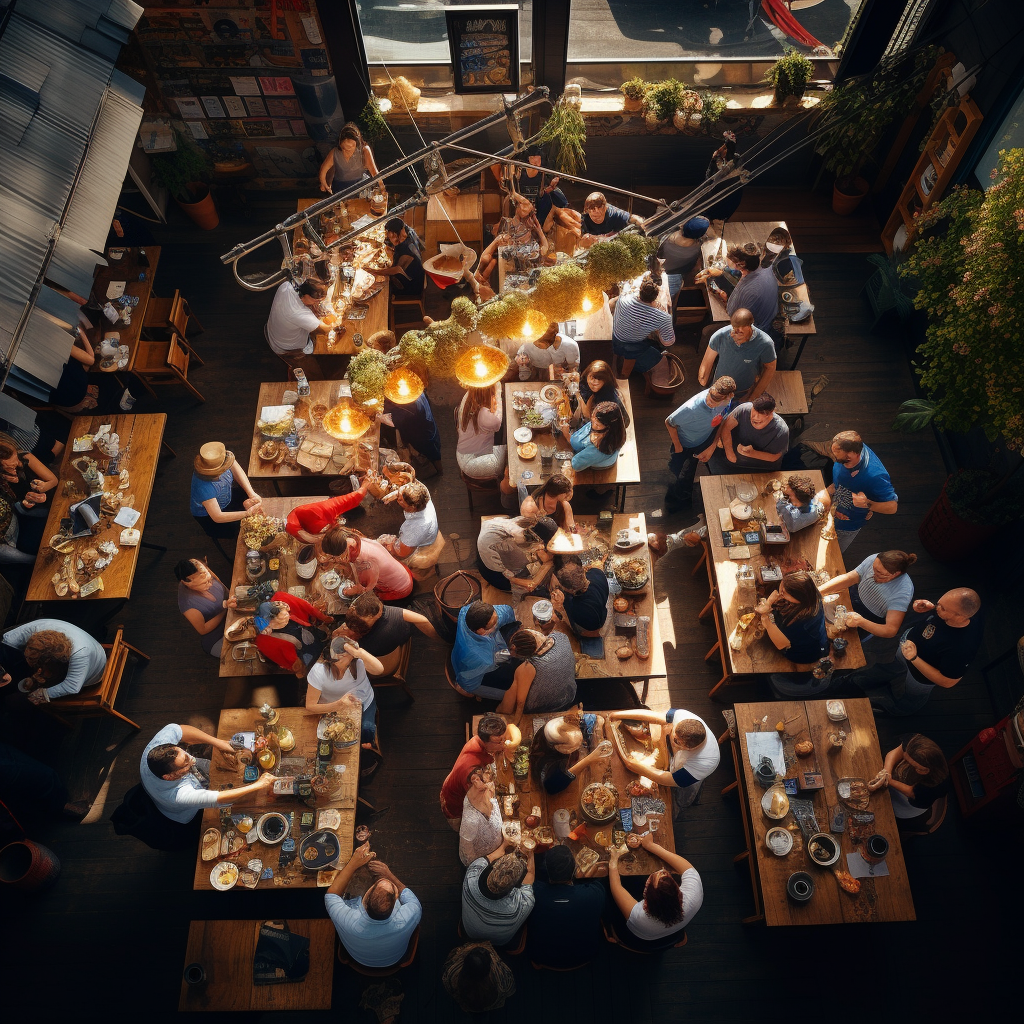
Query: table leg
747	854
799	351
620	497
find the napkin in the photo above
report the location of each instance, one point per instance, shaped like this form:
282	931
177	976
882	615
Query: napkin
766	744
860	868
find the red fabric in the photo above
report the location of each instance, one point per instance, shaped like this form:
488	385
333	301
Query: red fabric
783	19
300	611
279	651
318	515
453	792
443	281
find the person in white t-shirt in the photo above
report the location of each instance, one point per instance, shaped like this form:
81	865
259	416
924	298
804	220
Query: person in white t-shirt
292	320
550	349
420	527
694	750
340	680
665	908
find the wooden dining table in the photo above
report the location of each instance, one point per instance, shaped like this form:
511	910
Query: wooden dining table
613	770
140	437
625	472
322	393
376	308
757	655
138	277
300	761
883	896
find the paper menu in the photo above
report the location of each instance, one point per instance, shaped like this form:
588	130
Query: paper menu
766	744
127	516
115	289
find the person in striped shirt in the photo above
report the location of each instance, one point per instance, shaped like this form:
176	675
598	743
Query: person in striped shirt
635	320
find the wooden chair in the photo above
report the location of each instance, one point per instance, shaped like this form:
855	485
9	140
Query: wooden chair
477	486
396	664
935	818
449	674
410	302
746	854
381	972
164	362
612	936
99	698
166	315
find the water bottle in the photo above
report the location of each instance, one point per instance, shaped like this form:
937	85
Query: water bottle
303	384
523	481
614	587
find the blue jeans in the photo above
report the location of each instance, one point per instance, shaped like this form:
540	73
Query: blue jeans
368	726
892	687
675	282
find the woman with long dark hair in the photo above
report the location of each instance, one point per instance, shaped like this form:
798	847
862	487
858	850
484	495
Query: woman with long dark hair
597	385
916	774
598	441
793	618
350	162
551	499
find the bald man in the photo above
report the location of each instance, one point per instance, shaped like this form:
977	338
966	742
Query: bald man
744	352
934	652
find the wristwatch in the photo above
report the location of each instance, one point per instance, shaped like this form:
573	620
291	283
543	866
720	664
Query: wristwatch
771	618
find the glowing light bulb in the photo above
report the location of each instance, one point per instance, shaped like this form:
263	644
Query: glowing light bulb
346	424
403	388
527	329
479	368
587	304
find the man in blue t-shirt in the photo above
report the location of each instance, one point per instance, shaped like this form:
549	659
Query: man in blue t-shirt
744	352
480	657
860	486
693	430
602	220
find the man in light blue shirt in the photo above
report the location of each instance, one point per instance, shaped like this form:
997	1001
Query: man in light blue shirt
744	352
692	429
480	652
497	896
61	657
376	929
860	486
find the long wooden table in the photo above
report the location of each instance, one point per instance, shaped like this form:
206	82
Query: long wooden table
321	392
882	897
287	579
301	760
635	862
760	656
610	666
225	949
625	471
787	388
140	437
127	269
376	318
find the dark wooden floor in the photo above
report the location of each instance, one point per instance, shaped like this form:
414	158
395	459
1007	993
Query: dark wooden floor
109	939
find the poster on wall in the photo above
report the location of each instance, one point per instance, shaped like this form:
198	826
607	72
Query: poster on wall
484	44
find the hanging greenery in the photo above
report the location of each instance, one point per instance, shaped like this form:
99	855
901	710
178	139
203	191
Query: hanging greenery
371	121
416	347
464	313
366	374
504	318
559	291
565	135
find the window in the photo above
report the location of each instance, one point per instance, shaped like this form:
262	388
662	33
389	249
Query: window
909	23
1009	136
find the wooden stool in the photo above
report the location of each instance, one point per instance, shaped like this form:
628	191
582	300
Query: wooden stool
381	972
474	485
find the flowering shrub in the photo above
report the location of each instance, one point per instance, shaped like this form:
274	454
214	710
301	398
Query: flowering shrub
971	284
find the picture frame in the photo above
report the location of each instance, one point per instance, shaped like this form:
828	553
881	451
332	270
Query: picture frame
484	43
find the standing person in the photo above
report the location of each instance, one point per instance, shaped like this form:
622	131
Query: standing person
293	319
754	438
497	896
860	487
545	679
482	749
477	978
680	251
744	352
935	652
693	429
665	907
583	598
753	287
477	419
917	774
382	628
52	658
415	422
377	928
481	660
550	349
565	923
793	618
221	495
73	393
880	593
602	220
695	753
341	680
480	831
202	599
635	319
800	506
349	163
406	271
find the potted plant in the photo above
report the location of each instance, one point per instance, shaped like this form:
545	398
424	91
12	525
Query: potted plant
713	106
856	115
182	173
565	133
688	114
662	101
789	75
633	93
371	120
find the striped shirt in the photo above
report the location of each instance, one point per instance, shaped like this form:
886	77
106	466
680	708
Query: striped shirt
634	320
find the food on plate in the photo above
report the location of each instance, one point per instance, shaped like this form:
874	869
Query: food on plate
268	451
638	730
600	800
624	653
258	529
521	764
820	851
804	748
211	843
620	604
340	730
586	859
847	881
640	787
311	854
855	793
780	804
632	573
531	418
835	709
528	450
745	620
632	840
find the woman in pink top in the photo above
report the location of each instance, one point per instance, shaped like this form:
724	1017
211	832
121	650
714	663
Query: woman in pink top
477	419
372	566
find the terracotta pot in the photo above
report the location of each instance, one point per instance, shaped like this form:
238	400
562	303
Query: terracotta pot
947	537
844	203
203	212
28	866
633	106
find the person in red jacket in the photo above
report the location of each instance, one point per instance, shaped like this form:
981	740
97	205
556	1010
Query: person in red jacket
288	633
307	522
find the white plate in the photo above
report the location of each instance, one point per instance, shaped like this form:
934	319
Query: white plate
330	581
523	434
224	876
766	803
783	841
836	710
740	509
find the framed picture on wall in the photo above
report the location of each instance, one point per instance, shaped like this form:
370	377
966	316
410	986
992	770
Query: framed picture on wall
484	44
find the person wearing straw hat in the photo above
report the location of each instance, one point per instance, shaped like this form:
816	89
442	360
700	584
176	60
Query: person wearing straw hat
221	494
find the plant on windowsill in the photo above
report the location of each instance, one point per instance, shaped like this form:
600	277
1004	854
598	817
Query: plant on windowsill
662	101
789	75
371	120
688	114
633	92
713	108
565	132
182	173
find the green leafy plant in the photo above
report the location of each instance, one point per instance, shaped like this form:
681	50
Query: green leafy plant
464	313
560	290
634	89
180	171
367	373
713	108
663	99
790	74
968	263
505	316
565	134
416	347
371	121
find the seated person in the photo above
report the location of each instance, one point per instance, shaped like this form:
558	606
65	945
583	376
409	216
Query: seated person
533	184
694	751
202	599
369	564
377	928
754	438
52	658
550	349
477	978
748	285
642	327
477	420
506	546
480	832
406	271
582	596
545	679
601	220
598	442
419	531
308	522
916	776
179	784
597	385
480	656
565	923
287	632
518	230
26	486
800	505
664	907
382	628
680	251
497	896
489	741
551	500
881	593
552	750
795	623
340	680
221	493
